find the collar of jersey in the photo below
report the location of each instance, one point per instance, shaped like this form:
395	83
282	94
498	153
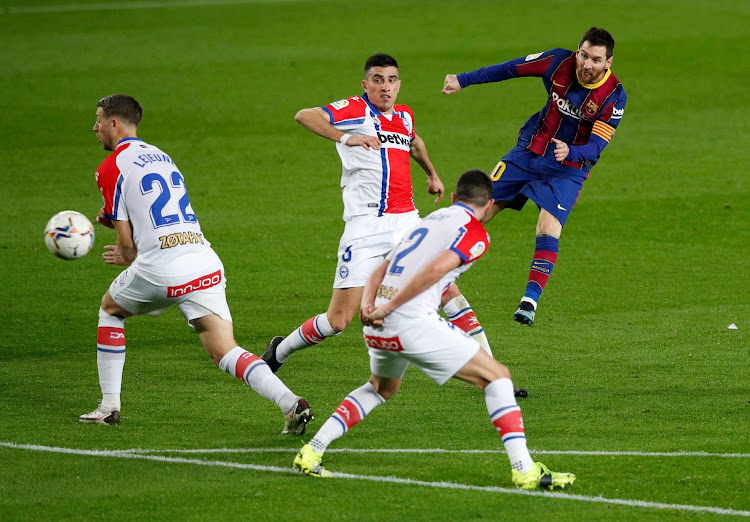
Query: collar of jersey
466	208
125	140
371	106
597	84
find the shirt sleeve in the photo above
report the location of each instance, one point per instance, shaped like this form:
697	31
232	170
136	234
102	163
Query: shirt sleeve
109	179
346	113
471	241
531	65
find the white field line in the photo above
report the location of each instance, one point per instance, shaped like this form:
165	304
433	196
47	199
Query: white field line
118	6
445	451
130	454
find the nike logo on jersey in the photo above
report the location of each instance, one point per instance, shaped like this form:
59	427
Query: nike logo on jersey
559	206
557	84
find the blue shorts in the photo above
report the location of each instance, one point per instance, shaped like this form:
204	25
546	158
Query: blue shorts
522	175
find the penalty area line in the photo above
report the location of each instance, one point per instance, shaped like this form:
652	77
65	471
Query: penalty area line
130	454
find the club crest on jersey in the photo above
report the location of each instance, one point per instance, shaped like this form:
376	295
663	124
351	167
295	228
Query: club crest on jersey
338	105
407	126
343	271
591	108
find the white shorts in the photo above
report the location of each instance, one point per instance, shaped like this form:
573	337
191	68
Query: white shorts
197	294
365	243
430	343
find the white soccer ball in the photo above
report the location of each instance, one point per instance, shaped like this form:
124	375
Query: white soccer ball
69	235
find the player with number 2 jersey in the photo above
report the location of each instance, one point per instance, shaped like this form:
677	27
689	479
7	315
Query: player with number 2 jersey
399	310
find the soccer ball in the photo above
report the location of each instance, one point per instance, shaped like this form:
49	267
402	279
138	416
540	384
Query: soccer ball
69	235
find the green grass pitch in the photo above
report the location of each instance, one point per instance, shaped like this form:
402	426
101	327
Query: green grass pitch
636	382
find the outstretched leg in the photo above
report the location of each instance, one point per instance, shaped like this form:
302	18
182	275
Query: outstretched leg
217	336
494	379
355	407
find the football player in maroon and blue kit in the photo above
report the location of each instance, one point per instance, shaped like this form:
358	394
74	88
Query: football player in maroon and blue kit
557	146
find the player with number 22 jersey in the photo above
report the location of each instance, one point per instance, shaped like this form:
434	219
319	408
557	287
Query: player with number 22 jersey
141	184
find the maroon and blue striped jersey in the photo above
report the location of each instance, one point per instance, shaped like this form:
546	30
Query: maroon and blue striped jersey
585	116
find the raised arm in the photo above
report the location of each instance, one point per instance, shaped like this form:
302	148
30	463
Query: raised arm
316	121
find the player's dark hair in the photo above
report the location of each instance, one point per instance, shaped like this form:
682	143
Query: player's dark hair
380	60
122	106
474	187
599	37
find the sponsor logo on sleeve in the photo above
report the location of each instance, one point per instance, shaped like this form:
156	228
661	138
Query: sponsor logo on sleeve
533	56
617	113
477	249
338	105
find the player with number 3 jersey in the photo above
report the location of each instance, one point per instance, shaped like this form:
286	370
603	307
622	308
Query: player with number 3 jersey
375	139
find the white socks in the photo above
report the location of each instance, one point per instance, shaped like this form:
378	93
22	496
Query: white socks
110	359
253	371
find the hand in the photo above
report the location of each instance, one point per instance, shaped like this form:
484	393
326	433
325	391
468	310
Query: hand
561	150
451	85
102	220
113	256
368	142
364	310
435	186
370	317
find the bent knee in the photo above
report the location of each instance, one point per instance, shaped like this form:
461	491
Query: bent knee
339	322
502	372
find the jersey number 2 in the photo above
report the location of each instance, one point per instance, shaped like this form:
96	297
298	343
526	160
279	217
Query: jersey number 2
395	267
